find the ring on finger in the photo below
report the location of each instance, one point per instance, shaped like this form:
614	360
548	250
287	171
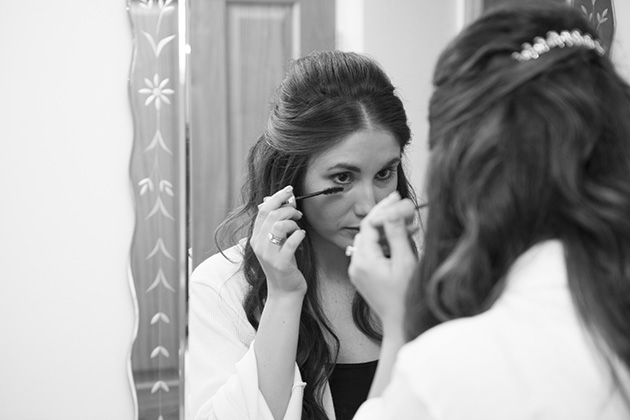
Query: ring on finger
276	240
350	250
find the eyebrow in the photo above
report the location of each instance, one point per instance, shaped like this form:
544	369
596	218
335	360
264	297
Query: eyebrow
353	168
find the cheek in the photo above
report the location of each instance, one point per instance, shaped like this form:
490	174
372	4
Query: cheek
381	193
339	208
313	213
327	214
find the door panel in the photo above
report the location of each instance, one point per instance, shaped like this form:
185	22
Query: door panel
240	50
260	42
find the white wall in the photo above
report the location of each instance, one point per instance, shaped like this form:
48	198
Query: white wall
66	218
406	37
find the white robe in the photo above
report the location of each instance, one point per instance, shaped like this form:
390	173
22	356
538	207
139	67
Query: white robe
221	376
527	357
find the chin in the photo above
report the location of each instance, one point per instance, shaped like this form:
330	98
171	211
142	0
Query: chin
343	243
339	242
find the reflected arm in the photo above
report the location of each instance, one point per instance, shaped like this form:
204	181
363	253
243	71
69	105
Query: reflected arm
276	348
221	367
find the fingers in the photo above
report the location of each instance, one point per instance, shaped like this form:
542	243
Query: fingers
282	197
275	229
402	209
285	236
383	259
367	240
383	204
282	213
365	261
369	233
293	241
276	208
397	235
396	212
394	222
283	228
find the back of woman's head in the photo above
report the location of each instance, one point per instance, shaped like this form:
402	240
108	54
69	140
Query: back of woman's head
524	151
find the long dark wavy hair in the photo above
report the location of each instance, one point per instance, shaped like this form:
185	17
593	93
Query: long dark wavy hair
523	152
324	98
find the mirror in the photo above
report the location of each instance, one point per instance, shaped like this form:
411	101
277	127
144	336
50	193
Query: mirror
157	170
199	99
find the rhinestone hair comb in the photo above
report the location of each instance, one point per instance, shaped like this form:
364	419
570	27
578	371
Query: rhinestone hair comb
554	39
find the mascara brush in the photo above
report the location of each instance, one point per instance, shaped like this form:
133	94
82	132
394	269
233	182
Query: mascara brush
327	191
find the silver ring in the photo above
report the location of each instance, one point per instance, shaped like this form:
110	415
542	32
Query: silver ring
276	240
350	250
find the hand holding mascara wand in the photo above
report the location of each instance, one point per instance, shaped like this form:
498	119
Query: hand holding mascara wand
412	228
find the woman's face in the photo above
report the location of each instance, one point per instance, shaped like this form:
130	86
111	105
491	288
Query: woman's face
365	164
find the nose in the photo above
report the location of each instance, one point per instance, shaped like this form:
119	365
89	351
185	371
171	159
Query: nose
365	200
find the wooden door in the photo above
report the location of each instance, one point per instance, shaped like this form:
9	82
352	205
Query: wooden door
239	53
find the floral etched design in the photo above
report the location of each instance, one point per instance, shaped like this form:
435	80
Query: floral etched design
157	91
595	18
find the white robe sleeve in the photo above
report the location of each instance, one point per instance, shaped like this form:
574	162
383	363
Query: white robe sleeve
397	403
400	399
221	372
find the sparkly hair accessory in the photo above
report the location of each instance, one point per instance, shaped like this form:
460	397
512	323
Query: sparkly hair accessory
555	39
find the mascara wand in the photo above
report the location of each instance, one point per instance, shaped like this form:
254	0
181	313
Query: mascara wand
327	191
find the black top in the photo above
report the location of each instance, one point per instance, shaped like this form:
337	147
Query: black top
349	385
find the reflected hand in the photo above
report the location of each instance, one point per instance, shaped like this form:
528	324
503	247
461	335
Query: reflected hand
275	238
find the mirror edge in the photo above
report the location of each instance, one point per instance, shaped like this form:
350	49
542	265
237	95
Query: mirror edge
158	264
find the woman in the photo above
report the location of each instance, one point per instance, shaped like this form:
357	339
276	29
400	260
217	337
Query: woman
276	330
520	306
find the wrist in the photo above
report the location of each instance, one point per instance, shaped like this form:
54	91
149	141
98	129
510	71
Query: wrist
284	297
281	309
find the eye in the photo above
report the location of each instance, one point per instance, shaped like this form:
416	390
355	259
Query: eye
342	178
386	174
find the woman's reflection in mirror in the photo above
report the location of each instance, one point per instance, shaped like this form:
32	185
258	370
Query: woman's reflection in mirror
276	329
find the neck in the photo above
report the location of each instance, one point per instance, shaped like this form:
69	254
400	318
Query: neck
332	263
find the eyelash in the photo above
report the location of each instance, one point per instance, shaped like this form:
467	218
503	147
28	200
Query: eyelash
391	172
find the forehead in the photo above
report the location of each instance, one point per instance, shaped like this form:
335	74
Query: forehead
363	149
